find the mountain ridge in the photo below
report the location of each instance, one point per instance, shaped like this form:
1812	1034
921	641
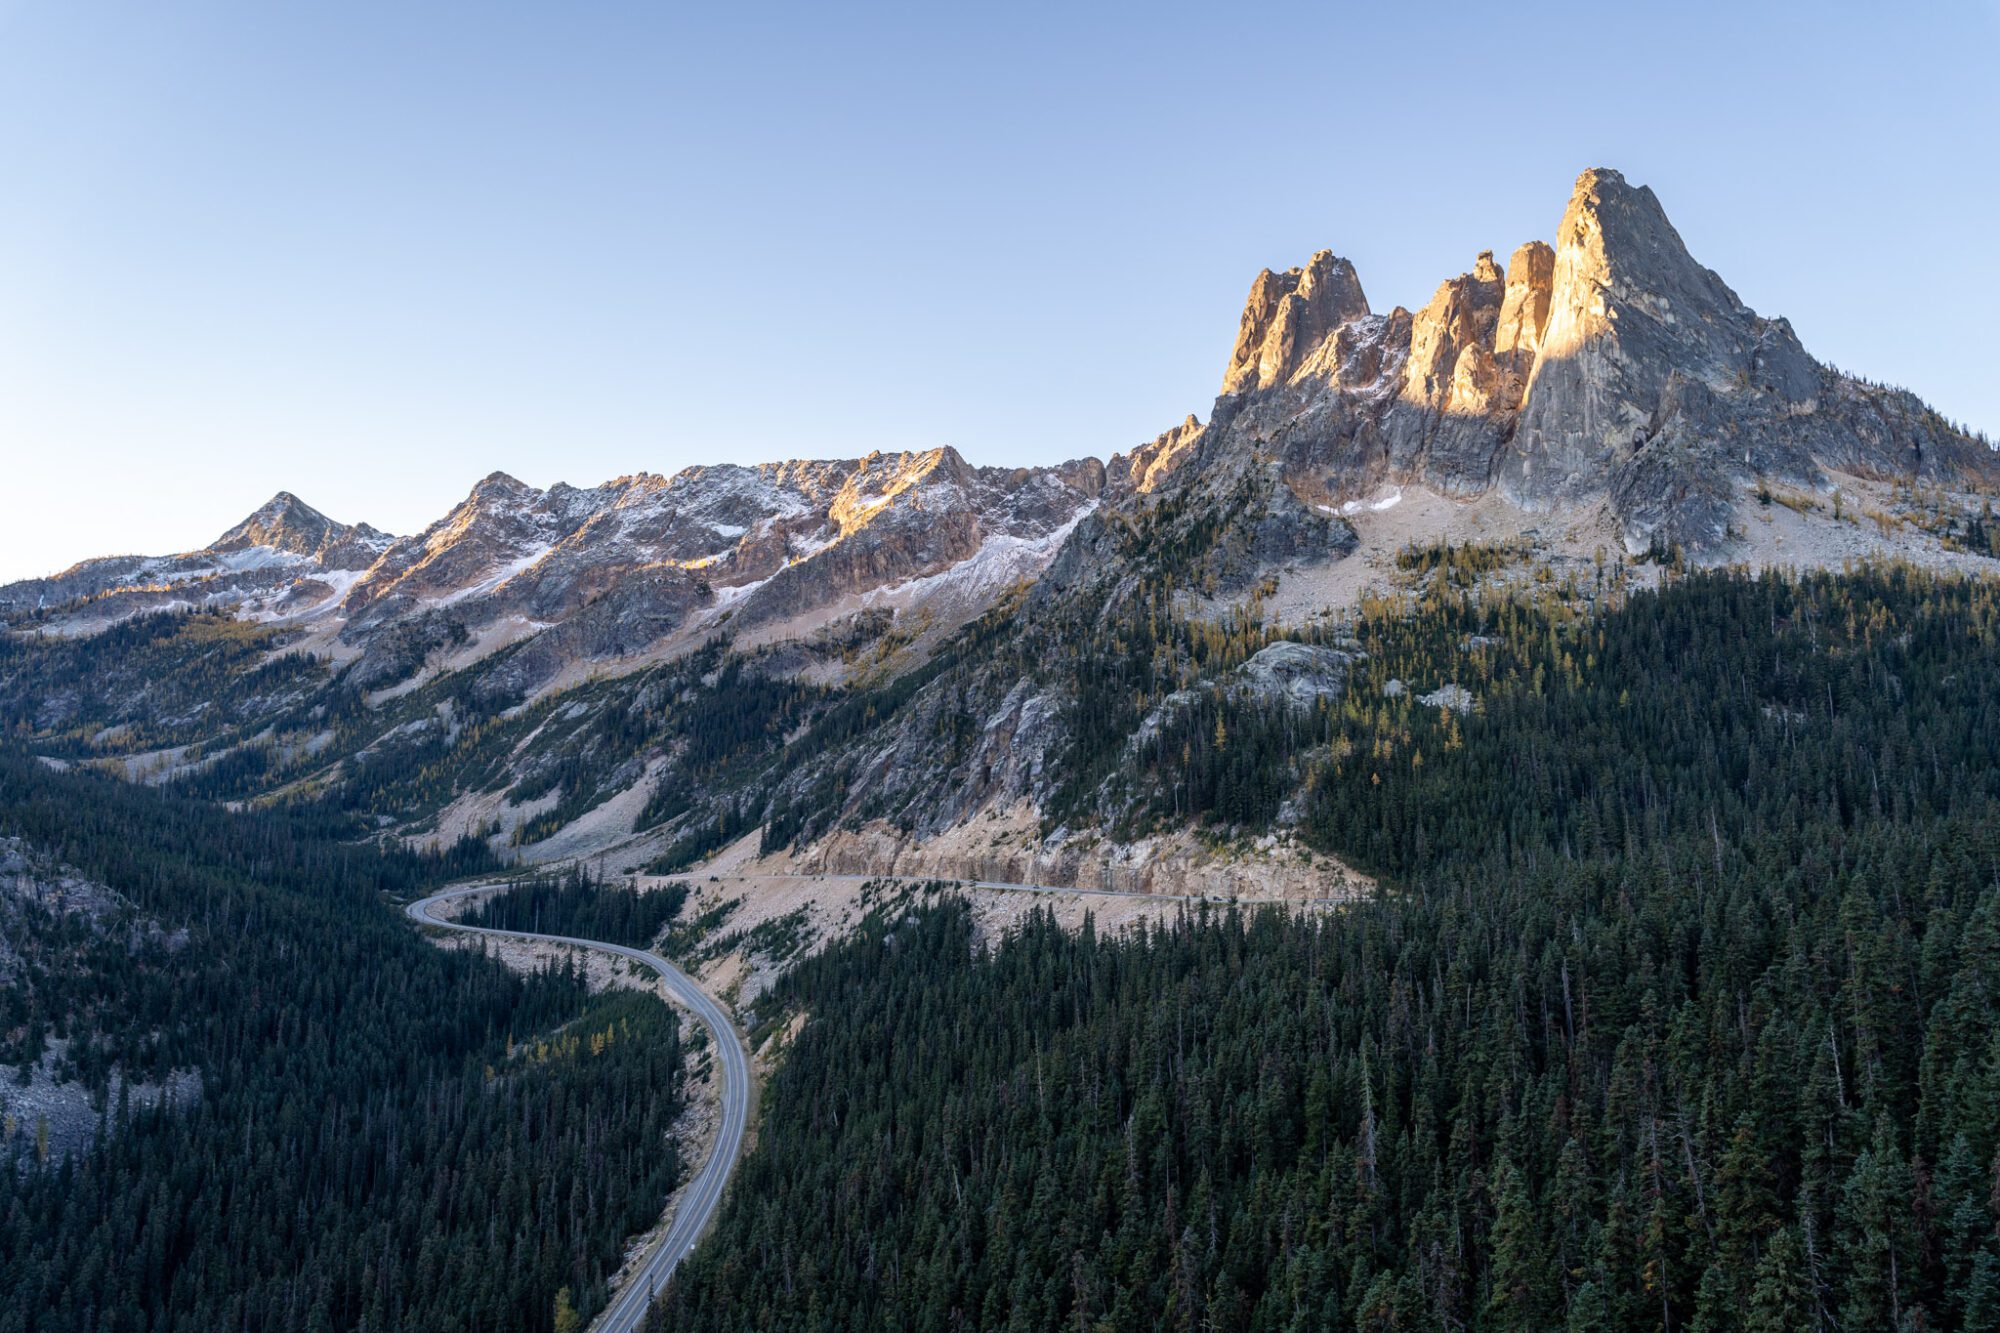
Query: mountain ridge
1609	366
555	661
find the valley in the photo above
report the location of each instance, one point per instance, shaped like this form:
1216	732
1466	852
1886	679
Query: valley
1493	828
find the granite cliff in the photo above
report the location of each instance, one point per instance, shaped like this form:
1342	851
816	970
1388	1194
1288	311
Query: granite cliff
1610	365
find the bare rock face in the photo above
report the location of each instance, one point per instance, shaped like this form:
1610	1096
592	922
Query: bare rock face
1610	366
1631	311
1524	311
1456	327
1286	318
1297	673
1151	463
1655	384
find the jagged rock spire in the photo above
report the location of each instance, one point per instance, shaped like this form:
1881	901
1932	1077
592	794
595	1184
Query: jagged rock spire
1450	367
1287	316
1524	310
1609	366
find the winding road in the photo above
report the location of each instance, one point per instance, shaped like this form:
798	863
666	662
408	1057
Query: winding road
702	1195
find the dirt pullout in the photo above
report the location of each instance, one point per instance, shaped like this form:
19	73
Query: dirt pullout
802	914
768	912
1006	846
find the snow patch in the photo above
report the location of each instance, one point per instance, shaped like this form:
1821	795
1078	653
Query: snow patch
1001	560
495	579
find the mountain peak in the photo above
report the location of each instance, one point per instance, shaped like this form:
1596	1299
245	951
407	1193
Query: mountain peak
283	522
1287	316
501	484
287	523
1611	367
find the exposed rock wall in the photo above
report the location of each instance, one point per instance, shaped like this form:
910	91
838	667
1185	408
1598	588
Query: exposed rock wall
1287	316
1610	365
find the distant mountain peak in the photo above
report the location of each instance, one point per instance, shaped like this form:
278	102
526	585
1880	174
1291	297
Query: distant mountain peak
287	523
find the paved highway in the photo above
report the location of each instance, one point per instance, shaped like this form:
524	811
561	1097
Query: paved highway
703	1194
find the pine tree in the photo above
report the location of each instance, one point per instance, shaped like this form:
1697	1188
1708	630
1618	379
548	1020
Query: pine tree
1876	1234
1520	1283
1780	1293
1971	1241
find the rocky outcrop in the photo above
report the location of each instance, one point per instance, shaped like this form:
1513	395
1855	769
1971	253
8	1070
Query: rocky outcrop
1286	318
1151	463
1524	312
1300	674
1610	367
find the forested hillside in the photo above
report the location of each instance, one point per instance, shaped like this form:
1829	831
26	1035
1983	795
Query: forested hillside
1675	1013
389	1135
576	903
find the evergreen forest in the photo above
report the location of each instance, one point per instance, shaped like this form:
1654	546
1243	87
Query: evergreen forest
1675	1011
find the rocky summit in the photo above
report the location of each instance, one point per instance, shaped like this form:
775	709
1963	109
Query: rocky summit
1609	366
600	573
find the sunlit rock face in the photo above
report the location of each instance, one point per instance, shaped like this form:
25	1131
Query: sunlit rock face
1610	365
1637	326
1151	463
1287	316
1524	312
1451	342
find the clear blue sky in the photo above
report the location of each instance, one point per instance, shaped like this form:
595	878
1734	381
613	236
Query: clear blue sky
371	252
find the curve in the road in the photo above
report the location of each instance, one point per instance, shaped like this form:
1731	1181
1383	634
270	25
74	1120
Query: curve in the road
703	1194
